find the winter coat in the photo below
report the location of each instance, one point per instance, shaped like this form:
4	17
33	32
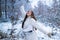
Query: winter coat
30	25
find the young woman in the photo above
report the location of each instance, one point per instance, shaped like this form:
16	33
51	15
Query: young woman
29	25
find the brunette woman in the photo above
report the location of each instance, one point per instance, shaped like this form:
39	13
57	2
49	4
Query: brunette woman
30	24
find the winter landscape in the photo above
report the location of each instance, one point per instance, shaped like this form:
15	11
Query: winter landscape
12	13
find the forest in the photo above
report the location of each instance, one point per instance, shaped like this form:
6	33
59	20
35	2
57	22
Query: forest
12	13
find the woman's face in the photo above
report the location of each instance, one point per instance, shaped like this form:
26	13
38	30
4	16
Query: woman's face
29	13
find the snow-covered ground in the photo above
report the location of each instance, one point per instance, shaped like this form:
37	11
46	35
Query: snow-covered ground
41	36
24	6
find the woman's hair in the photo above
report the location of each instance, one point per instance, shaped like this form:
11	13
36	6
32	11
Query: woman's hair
32	16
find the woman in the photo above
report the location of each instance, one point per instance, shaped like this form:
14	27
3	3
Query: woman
29	24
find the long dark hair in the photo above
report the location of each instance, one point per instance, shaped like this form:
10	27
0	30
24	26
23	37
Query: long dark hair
32	16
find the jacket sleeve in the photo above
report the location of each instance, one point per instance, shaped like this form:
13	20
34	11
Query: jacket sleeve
41	27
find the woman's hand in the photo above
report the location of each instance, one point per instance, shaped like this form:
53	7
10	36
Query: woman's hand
49	35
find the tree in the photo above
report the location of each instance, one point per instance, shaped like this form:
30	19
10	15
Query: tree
3	35
0	9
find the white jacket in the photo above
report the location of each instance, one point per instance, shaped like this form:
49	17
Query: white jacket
30	24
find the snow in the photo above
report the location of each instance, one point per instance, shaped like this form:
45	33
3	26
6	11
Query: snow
41	36
5	26
47	2
24	6
34	3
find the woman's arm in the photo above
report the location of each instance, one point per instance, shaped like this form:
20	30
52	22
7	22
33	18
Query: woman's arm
41	27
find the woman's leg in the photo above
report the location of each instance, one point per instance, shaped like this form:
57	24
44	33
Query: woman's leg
31	36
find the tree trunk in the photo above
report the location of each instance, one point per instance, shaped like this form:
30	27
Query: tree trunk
0	9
